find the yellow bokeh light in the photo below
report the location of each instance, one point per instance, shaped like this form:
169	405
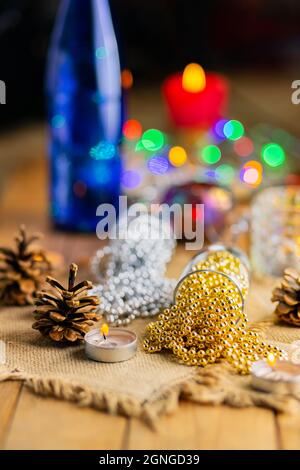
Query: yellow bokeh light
177	156
193	79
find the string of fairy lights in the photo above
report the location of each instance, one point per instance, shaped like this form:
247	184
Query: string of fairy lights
224	152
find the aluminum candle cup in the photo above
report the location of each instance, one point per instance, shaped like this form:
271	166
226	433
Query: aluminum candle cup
283	377
120	345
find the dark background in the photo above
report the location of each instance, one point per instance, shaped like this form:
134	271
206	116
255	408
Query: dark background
156	37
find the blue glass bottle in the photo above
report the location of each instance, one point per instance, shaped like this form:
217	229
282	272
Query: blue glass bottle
85	112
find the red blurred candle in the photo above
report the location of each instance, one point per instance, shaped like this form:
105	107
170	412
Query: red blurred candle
195	99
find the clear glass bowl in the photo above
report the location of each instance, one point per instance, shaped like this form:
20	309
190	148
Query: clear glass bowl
275	230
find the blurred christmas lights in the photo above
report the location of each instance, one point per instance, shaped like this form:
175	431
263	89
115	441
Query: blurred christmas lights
219	128
101	53
158	165
126	79
132	129
211	154
209	148
243	147
177	156
131	179
252	173
103	151
233	129
251	176
153	140
58	121
273	154
225	174
80	189
254	164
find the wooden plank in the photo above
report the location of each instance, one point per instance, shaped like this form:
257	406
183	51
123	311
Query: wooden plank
9	394
46	424
289	431
206	428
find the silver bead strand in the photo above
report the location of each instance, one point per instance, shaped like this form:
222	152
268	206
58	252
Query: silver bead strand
132	283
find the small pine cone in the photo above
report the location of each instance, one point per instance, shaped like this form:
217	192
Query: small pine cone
288	298
65	315
22	270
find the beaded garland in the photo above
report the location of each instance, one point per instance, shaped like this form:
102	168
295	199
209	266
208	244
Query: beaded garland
131	271
207	322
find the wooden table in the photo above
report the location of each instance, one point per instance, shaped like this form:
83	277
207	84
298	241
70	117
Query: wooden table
28	421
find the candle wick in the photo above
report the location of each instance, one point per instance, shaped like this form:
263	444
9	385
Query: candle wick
104	336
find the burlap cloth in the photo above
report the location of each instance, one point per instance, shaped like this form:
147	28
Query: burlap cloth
145	386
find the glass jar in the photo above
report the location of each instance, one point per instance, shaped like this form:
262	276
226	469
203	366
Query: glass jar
275	230
222	270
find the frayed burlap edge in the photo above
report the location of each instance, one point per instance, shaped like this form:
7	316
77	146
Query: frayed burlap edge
214	385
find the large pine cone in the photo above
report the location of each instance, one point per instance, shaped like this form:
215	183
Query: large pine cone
288	298
66	314
22	270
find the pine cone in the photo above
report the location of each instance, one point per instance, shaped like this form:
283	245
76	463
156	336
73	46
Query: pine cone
22	270
66	314
288	297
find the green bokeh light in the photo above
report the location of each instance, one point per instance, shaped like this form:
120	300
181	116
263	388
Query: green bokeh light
225	173
139	146
211	154
233	130
273	154
153	140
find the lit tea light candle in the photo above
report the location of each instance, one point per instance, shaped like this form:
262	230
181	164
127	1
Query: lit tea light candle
195	99
276	375
110	345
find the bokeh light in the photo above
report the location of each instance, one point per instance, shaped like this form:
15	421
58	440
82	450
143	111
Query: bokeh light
132	129
79	189
225	173
209	174
126	79
103	174
219	128
101	52
153	140
58	121
103	151
254	164
158	165
131	179
252	173
233	129
211	154
193	78
243	147
273	154
177	156
251	176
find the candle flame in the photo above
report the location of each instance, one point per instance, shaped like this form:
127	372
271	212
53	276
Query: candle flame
193	79
271	360
104	330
